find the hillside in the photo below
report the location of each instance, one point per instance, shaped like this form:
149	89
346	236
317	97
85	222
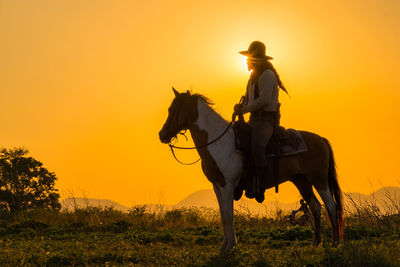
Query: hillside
382	198
385	199
207	198
71	204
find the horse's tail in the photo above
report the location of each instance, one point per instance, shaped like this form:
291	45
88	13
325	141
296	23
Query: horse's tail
335	189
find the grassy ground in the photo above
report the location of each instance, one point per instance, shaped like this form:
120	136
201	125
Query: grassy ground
188	237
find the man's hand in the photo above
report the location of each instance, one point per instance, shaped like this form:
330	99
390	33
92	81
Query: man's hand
237	110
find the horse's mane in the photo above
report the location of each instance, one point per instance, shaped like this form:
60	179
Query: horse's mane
209	102
204	98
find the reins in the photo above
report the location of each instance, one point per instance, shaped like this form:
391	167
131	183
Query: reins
197	147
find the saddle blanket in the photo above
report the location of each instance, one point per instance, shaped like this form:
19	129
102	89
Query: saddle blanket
290	143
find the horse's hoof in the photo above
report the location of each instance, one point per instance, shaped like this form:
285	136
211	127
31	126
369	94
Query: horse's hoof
316	242
335	244
227	248
223	245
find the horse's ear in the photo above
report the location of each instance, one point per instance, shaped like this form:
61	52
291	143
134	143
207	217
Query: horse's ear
175	91
188	92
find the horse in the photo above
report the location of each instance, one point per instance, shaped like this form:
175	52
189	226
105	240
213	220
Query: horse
222	163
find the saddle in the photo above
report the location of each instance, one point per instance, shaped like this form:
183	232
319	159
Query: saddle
284	142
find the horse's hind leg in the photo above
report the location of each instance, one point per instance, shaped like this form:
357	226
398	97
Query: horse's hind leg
330	206
305	189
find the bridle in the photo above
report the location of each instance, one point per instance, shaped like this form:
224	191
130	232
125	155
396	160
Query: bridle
242	99
196	147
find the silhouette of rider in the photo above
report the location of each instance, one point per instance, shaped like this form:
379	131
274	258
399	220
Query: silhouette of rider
261	100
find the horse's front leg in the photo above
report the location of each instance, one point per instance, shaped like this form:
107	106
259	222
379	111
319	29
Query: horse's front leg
225	201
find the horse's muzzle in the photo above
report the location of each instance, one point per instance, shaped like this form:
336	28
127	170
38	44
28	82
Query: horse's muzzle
164	137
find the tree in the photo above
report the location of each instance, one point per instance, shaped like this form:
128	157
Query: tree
24	183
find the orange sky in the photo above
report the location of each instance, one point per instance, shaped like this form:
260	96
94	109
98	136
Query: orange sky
85	85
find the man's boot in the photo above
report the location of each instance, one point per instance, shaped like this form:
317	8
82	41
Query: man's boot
249	181
259	178
250	190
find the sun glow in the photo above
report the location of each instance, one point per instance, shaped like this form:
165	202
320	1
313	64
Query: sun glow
243	64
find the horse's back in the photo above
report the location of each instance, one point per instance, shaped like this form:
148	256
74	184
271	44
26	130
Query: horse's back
313	140
315	161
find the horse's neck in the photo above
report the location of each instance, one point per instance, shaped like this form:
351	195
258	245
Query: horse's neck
208	126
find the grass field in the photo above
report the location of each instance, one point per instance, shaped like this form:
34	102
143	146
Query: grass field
189	237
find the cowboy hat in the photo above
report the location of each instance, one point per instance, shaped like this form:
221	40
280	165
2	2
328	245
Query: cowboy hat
256	51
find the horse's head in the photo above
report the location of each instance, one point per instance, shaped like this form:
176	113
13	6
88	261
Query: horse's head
182	113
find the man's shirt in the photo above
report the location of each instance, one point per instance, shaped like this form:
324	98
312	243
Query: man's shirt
267	99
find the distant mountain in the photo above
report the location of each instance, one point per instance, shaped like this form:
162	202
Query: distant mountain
384	198
207	199
77	202
71	204
203	198
381	194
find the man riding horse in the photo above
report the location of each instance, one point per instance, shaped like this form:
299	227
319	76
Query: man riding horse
222	162
261	100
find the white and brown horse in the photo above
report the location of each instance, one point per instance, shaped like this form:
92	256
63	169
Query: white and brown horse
222	164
